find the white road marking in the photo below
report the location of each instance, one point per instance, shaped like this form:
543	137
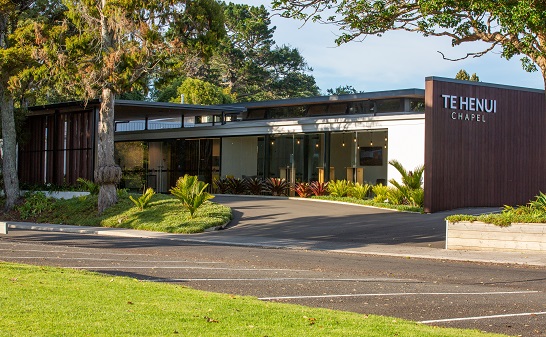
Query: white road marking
393	294
121	268
285	279
99	259
482	317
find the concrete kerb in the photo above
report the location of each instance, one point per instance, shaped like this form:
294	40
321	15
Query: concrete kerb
271	243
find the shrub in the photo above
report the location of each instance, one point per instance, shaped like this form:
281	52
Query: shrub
539	203
191	192
339	188
277	186
410	190
236	185
380	193
303	190
254	185
221	185
143	201
318	189
89	186
34	205
359	191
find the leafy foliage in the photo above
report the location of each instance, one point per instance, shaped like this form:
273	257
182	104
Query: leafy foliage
359	191
410	191
246	63
89	186
303	189
221	185
339	188
143	201
197	91
34	205
319	188
539	203
343	90
254	185
236	185
515	26
463	75
277	186
191	192
533	212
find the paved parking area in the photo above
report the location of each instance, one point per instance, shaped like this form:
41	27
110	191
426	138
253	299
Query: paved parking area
498	298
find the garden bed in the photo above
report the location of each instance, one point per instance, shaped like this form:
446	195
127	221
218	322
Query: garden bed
518	237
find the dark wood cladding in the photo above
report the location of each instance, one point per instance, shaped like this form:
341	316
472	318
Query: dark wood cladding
59	148
501	161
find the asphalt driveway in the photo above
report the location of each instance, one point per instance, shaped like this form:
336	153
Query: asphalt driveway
347	226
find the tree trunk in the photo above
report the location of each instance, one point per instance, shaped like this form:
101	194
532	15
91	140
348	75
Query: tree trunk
107	173
9	149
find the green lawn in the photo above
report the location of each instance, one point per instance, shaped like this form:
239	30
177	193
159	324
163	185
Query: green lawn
164	214
43	301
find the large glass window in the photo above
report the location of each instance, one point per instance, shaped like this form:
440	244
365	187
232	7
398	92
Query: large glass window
296	157
132	157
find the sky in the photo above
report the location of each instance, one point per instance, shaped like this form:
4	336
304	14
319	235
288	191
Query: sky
396	60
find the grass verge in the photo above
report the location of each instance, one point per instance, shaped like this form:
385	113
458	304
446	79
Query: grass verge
164	214
43	301
369	202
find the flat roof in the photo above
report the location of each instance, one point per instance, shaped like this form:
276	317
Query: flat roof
127	109
403	93
483	84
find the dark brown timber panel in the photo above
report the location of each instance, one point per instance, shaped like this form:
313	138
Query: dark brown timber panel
59	149
485	158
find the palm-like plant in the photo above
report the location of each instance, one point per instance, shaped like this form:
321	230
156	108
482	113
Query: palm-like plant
143	201
277	186
303	189
318	188
411	179
254	185
191	192
411	183
339	188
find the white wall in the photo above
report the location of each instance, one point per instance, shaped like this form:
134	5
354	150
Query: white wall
239	156
406	143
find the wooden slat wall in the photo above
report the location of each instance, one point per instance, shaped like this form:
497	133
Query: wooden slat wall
66	159
501	161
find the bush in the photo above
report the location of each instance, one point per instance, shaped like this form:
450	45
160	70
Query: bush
277	186
410	190
339	188
221	185
143	201
359	191
236	185
380	193
303	190
191	192
34	205
255	185
89	186
319	189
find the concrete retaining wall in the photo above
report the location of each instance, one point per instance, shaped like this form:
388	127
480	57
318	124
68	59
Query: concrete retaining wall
482	236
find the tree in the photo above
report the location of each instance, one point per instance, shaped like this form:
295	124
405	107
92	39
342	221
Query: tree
246	61
343	90
118	44
463	75
196	91
18	75
517	27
